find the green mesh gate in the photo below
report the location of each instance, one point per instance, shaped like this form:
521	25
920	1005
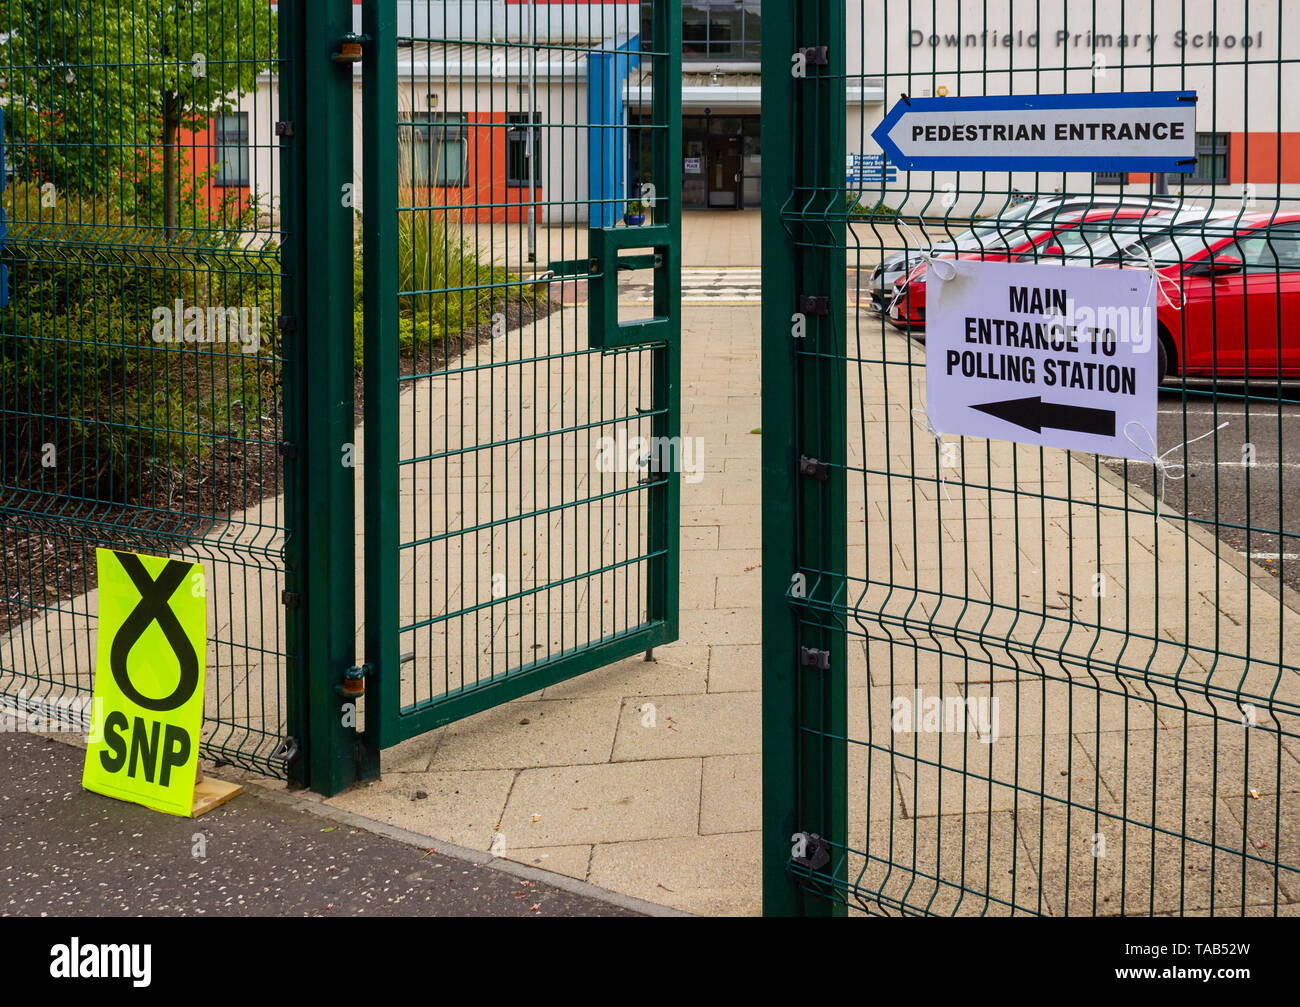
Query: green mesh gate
521	425
1003	679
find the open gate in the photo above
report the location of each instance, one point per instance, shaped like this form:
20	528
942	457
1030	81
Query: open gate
522	426
1011	679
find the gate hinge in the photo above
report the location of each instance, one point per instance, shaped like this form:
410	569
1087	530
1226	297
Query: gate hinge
284	128
813	469
287	449
287	750
811	658
814	304
350	48
287	323
354	681
290	599
817	851
816	55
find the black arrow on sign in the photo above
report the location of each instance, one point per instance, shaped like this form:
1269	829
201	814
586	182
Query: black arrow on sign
1034	414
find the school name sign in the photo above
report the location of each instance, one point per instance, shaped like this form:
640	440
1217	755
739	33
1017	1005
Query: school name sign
1144	131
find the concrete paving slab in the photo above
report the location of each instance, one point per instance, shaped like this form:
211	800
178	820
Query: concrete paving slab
715	874
611	802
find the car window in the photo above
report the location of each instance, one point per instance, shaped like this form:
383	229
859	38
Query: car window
1287	247
1099	240
1190	241
1266	249
1272	248
1253	251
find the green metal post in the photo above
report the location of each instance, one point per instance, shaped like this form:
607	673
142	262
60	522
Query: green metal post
334	754
379	142
665	500
804	518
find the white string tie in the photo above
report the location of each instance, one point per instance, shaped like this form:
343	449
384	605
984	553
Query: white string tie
932	261
1144	256
1168	470
921	418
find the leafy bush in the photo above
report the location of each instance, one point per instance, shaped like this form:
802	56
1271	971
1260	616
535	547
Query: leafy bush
446	289
862	211
90	404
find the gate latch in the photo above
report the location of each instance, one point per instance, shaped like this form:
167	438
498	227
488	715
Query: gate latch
604	246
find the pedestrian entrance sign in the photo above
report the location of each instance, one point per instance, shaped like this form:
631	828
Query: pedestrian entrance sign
1060	356
149	681
1132	131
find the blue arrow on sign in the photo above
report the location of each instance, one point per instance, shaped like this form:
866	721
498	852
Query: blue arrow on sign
1133	131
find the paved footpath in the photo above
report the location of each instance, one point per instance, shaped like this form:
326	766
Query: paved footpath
65	851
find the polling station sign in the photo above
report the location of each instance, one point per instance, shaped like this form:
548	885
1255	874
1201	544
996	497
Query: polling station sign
1059	356
149	678
1130	131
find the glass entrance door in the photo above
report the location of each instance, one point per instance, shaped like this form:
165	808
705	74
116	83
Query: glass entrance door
724	171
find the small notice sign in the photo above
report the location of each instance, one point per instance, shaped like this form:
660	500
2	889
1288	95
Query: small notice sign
149	677
1128	131
1060	356
694	166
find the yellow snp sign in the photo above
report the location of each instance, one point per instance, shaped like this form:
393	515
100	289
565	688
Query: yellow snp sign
148	681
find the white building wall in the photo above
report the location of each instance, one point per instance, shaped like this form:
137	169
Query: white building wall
1014	46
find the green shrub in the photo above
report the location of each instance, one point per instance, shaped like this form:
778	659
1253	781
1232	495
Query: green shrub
84	385
446	289
879	211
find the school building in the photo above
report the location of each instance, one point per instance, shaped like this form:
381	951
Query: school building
539	102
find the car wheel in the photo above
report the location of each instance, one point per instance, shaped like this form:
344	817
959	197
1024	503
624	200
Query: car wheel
1162	362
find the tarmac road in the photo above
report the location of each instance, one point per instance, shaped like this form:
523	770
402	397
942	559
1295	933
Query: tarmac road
1254	509
67	852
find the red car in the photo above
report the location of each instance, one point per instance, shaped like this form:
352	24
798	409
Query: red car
1020	242
1239	281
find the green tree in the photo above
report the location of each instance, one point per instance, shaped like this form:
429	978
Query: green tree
101	93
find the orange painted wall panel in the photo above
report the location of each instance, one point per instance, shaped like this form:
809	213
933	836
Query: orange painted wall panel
1258	161
485	178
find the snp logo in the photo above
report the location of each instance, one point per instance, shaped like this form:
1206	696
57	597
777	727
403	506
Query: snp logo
102	961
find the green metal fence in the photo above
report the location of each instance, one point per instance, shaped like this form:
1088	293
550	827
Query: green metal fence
145	388
1116	639
200	285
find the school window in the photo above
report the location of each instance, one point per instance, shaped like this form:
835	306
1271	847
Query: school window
230	149
1211	159
1110	177
518	154
433	151
715	29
